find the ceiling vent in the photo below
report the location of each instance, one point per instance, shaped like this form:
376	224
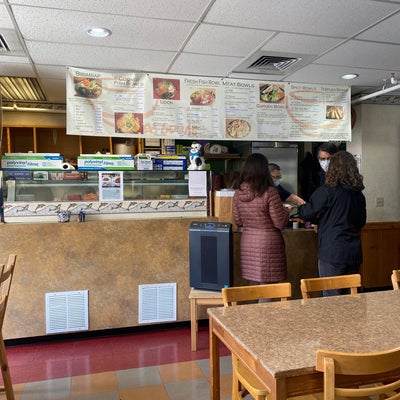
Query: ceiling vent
4	48
273	63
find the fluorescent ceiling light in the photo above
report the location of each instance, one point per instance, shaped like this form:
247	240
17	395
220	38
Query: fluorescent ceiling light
98	32
23	89
349	76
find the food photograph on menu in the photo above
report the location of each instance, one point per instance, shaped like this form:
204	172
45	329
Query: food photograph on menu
272	93
166	89
202	97
88	87
334	112
128	122
237	128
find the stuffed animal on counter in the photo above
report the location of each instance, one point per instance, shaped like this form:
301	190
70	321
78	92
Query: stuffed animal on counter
196	158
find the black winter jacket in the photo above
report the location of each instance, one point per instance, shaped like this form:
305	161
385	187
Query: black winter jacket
340	213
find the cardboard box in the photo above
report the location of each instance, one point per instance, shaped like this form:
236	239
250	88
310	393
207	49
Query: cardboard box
223	206
31	161
143	162
168	163
105	162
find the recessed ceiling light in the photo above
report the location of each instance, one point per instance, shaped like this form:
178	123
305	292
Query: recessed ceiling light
98	32
349	76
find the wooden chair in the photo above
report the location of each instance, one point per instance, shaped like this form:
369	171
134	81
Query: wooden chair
6	276
243	381
310	285
396	279
332	363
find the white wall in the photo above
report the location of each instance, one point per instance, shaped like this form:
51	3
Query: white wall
376	137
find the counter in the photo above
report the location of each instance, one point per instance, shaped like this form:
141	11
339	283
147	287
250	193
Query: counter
111	259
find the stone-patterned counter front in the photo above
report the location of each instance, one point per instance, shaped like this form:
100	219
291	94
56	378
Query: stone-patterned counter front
111	259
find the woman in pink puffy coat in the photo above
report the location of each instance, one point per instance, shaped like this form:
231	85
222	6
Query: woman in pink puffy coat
258	208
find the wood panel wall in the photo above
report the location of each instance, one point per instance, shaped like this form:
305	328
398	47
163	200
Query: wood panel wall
381	253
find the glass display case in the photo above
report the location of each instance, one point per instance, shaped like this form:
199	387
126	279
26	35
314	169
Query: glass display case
46	193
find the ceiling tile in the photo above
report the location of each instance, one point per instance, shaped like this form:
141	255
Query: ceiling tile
71	26
16	69
99	57
232	41
306	16
305	44
361	54
205	65
55	90
177	10
386	31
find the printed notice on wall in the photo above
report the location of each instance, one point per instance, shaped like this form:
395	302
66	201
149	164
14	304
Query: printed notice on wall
144	105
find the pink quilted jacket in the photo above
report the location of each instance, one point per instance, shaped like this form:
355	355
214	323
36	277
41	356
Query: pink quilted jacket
262	248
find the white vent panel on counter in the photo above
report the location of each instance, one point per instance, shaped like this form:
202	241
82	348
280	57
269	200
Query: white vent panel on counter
157	303
67	311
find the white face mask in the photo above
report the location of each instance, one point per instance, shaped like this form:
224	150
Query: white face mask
324	165
277	182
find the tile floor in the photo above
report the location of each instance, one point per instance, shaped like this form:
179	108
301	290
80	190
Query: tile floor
154	365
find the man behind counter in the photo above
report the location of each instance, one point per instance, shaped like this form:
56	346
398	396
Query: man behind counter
276	175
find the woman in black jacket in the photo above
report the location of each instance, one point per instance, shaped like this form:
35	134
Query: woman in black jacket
339	209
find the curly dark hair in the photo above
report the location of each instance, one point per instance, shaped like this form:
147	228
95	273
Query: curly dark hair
343	170
256	173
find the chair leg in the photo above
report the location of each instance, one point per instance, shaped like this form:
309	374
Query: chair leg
5	371
236	386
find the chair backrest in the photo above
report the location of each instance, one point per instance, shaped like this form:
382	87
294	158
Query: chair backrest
396	279
332	363
233	295
309	285
6	275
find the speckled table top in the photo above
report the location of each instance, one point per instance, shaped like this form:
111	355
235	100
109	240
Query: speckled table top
283	336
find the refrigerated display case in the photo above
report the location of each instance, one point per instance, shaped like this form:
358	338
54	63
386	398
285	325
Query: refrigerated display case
43	194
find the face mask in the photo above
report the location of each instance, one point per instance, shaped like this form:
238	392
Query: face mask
277	182
324	165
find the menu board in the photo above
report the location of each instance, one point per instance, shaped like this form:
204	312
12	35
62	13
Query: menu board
144	105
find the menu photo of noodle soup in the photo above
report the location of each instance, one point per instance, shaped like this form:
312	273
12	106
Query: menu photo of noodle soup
166	89
237	128
128	122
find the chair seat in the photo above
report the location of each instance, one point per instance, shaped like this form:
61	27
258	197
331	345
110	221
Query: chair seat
253	385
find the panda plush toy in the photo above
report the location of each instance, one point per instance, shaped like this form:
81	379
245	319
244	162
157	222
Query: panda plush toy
196	157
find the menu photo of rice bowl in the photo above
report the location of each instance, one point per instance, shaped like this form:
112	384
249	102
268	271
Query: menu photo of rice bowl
128	122
237	128
88	87
202	97
272	93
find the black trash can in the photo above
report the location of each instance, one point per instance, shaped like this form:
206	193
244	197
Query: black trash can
211	258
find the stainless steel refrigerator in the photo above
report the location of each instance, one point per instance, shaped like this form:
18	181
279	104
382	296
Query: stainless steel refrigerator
286	156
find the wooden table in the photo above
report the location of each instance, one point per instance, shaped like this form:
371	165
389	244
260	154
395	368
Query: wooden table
278	341
197	298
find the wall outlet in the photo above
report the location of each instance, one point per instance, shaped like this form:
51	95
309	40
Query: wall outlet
379	202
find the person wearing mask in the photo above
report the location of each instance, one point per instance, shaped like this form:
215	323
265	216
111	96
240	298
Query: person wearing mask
339	209
258	208
285	195
324	153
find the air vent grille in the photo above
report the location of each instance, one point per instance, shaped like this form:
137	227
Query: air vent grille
273	63
4	48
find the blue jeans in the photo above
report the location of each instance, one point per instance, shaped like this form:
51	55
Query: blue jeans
326	269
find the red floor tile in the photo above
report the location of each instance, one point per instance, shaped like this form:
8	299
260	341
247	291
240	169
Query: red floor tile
66	358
